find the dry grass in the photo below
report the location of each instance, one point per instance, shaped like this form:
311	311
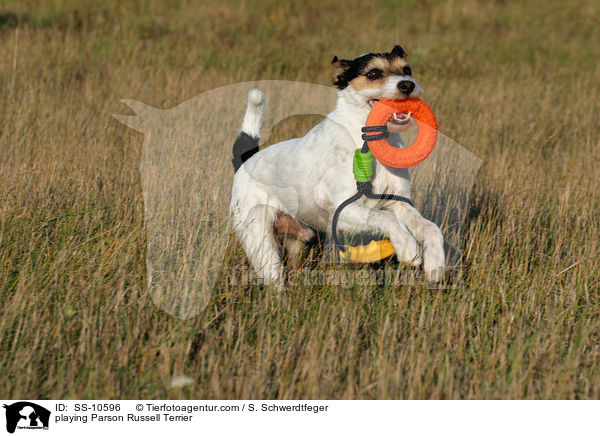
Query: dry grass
516	82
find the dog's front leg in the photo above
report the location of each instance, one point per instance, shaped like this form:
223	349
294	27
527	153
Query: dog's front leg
357	218
428	235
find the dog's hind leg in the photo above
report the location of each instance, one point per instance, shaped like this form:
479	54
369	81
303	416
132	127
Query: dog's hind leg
258	239
293	237
291	252
285	225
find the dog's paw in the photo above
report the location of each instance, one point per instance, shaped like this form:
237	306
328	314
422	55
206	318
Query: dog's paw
434	259
435	275
408	251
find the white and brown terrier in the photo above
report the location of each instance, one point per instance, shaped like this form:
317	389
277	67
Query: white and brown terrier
296	185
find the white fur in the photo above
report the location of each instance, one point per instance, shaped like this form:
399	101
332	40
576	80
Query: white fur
254	114
309	177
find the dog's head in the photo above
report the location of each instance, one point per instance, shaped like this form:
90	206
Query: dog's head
375	76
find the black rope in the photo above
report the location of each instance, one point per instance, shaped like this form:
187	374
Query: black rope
381	132
336	215
389	197
382	128
364	188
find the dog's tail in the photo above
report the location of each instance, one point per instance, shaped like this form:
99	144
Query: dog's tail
246	144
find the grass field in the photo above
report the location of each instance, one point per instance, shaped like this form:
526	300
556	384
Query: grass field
516	82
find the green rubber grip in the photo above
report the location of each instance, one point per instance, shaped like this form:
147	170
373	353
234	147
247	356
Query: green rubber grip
362	166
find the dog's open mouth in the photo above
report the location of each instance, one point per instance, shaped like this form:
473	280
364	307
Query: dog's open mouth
398	122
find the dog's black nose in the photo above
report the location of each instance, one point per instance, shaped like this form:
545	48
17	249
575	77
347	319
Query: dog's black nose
406	86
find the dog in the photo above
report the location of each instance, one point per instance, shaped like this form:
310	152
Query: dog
296	185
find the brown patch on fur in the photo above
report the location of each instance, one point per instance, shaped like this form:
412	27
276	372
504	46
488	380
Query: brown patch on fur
285	225
377	62
293	237
388	67
361	82
397	65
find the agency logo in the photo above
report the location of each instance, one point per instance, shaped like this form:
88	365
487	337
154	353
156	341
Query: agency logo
187	179
26	415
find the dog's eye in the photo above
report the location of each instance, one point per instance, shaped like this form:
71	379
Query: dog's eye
407	71
374	74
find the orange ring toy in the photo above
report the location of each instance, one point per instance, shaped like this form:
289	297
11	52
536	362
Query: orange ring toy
418	151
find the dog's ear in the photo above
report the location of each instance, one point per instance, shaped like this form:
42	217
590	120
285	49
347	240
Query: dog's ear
399	51
339	68
340	63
